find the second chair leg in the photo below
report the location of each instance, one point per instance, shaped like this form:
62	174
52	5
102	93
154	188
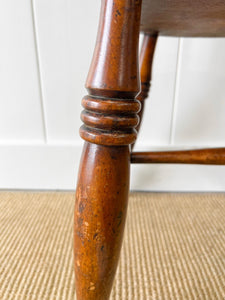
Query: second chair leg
146	61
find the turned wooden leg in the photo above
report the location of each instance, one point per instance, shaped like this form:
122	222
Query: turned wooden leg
146	61
110	117
100	214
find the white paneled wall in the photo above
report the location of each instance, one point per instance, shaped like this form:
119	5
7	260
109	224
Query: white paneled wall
21	113
45	51
200	99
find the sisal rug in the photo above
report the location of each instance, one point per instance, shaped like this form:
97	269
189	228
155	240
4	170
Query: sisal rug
174	247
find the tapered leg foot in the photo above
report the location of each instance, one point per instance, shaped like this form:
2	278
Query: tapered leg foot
100	213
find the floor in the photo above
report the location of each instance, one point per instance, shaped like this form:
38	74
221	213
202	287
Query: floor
174	247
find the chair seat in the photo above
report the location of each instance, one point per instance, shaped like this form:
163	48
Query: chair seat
203	18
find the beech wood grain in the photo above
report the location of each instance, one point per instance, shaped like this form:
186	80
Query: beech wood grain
110	117
210	156
100	214
201	18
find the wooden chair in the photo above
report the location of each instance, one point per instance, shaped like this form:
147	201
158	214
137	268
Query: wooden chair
111	120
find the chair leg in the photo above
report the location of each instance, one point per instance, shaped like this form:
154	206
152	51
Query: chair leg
110	118
146	61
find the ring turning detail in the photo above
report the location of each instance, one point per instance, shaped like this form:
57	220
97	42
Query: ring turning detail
109	121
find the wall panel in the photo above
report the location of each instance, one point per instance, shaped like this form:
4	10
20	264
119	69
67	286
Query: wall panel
200	110
21	116
66	42
45	53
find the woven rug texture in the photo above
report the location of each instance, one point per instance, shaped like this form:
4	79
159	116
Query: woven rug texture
174	247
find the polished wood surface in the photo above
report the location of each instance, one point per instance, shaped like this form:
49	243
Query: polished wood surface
109	122
100	214
114	68
184	17
201	156
110	117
